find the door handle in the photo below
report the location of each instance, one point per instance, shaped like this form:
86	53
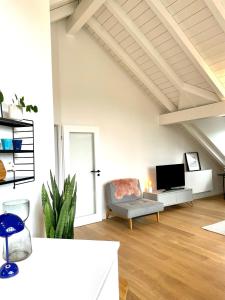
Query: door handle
98	172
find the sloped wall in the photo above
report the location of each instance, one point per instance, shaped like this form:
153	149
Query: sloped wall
91	89
214	129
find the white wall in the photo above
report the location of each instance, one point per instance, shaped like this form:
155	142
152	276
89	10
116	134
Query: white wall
25	60
91	89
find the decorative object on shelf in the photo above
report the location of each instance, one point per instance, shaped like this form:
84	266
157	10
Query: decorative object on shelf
17	107
192	161
19	246
17	143
15	112
7	144
59	213
1	100
10	225
2	171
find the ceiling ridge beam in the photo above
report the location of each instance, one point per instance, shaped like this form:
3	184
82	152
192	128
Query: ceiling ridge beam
117	49
204	111
187	46
84	11
218	10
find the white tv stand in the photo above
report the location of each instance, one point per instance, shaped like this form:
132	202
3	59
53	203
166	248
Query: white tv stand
171	197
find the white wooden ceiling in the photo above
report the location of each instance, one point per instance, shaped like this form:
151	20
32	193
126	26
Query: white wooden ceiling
173	48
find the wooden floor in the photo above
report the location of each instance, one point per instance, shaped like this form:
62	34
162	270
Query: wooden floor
173	259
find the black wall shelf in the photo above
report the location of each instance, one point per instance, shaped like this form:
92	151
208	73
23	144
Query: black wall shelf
17	179
16	151
23	130
15	123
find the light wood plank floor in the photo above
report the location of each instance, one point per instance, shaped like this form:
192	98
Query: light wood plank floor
173	259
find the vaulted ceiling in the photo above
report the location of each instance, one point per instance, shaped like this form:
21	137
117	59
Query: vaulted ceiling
173	48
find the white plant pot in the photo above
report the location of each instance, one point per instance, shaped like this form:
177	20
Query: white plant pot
15	112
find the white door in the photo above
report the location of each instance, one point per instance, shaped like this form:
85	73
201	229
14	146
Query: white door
80	158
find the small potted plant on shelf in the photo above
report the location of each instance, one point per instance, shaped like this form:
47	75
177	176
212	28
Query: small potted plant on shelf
17	107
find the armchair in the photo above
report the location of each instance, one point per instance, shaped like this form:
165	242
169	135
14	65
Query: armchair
124	199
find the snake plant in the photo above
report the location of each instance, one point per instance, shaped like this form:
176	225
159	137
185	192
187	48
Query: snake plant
59	212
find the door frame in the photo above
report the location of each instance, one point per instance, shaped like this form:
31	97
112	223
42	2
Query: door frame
67	129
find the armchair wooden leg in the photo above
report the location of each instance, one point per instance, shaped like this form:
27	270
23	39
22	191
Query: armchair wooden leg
130	224
157	216
107	213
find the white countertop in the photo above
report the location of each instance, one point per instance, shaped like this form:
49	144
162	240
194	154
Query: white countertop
61	269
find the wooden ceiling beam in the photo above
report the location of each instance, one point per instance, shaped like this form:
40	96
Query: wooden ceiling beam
200	112
143	42
187	46
217	8
194	90
205	142
84	11
154	55
124	57
62	12
60	3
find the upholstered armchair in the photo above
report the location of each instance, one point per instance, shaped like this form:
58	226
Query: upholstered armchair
124	199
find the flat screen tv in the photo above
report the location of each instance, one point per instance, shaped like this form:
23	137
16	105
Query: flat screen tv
170	176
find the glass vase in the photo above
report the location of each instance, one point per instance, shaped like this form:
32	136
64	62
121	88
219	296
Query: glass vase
20	243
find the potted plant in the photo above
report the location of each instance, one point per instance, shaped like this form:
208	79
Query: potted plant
17	107
59	212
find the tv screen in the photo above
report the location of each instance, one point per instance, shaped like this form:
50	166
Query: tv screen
170	176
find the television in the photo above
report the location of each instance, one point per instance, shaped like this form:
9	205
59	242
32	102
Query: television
170	176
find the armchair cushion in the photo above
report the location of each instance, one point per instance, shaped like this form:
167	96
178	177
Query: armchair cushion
123	190
136	208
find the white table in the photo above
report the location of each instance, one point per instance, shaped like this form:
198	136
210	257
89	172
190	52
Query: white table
65	269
